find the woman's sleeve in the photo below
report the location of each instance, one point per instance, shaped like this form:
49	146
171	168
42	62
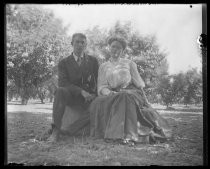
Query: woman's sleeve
103	87
136	78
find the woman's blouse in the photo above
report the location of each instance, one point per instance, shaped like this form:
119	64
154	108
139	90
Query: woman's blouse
118	74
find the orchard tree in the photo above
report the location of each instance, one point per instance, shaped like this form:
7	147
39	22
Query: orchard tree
97	43
36	41
51	86
165	89
179	86
11	90
193	90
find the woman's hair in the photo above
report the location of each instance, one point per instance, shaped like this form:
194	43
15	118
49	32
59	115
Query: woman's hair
119	39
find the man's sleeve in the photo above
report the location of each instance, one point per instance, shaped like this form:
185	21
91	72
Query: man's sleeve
96	67
95	72
62	75
63	80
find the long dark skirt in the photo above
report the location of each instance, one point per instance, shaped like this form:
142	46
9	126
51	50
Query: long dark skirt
127	115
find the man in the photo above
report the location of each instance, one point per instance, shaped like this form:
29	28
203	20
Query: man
77	82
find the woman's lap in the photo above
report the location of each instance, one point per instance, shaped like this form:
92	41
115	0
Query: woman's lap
108	115
104	108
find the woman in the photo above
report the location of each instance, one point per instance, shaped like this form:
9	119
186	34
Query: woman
122	112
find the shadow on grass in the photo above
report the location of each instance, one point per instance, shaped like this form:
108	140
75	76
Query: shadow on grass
14	103
44	108
38	102
19	112
182	110
29	103
27	113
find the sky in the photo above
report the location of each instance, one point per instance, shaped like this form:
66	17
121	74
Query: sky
176	26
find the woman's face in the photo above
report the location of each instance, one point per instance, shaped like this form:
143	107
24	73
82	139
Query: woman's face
116	49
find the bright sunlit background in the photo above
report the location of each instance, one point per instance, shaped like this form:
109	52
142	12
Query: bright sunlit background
176	27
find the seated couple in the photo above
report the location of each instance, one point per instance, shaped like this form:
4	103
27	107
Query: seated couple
106	102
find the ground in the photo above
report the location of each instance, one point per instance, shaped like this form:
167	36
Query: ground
24	122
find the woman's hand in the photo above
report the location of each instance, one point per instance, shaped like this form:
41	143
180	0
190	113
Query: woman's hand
113	92
107	92
87	96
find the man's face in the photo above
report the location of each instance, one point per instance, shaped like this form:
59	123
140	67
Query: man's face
79	44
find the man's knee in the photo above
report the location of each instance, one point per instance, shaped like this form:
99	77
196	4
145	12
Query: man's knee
65	96
60	92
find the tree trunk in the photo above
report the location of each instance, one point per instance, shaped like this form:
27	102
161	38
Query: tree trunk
51	99
24	101
24	97
41	97
10	96
42	101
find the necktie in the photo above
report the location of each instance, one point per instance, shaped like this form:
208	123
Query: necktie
79	61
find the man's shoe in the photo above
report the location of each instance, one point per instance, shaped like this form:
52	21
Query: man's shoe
54	136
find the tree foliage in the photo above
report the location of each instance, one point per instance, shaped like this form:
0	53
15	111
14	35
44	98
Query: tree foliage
193	89
181	88
36	41
165	89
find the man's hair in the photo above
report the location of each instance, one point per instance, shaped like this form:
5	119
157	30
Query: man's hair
78	34
119	39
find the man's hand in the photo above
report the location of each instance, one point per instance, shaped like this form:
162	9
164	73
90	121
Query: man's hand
87	96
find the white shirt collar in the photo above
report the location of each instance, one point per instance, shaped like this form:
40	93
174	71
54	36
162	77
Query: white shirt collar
76	57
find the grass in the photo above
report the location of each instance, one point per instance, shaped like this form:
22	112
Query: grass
26	122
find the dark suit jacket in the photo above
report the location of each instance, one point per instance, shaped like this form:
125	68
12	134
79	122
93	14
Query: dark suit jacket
76	77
